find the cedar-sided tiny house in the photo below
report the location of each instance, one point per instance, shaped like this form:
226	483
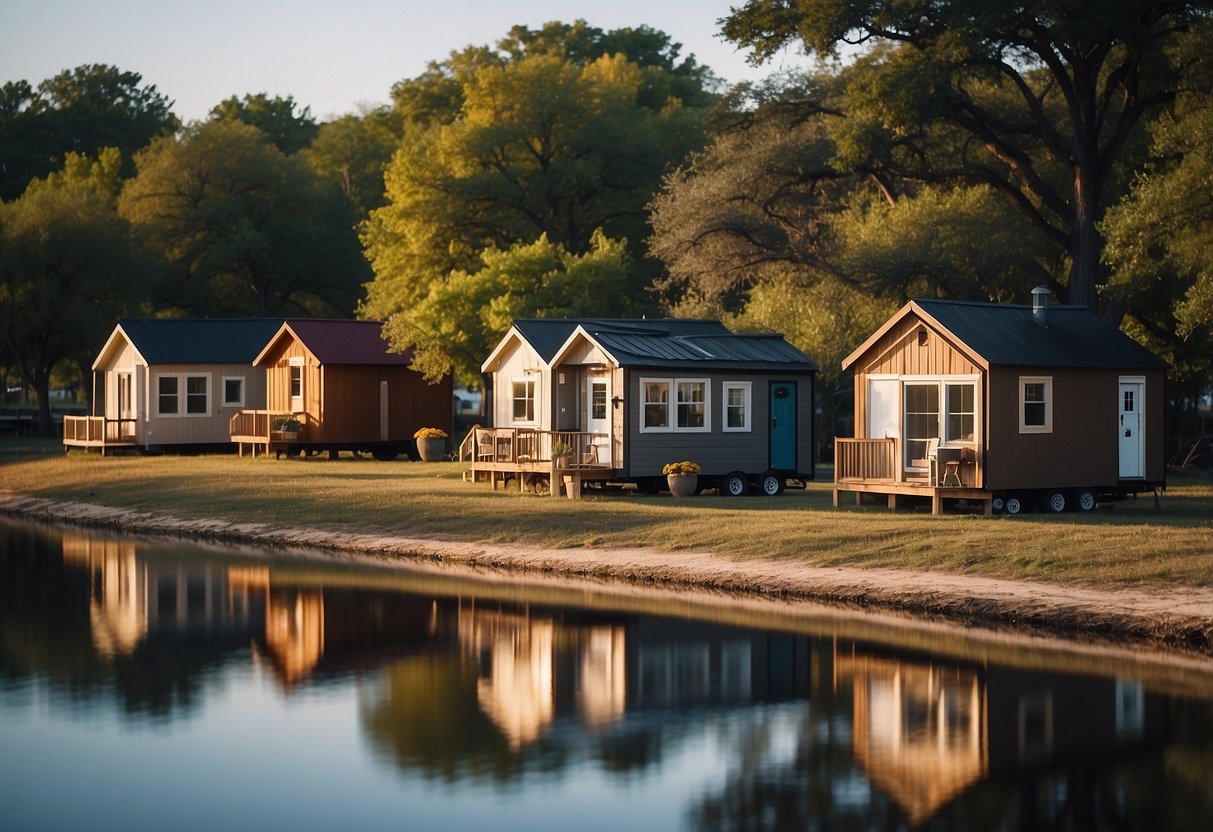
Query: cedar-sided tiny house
628	396
172	383
338	380
1013	405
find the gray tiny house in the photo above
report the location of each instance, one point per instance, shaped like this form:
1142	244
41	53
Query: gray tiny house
628	396
1011	405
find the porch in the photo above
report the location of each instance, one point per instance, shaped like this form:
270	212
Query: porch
542	461
873	466
98	432
255	428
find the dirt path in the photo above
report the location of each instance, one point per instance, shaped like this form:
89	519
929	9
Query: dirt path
1174	616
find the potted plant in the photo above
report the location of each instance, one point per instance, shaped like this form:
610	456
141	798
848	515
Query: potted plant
431	444
287	427
562	452
682	477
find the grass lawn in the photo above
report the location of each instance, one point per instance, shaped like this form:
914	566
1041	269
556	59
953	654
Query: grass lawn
1127	542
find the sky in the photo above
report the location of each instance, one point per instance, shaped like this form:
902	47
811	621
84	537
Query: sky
330	56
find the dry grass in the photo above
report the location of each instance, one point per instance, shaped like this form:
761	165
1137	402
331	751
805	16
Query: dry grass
1126	543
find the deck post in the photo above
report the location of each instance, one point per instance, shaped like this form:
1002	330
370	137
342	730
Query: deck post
936	501
892	502
835	497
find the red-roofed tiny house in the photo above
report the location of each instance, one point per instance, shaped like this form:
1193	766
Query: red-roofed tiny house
337	379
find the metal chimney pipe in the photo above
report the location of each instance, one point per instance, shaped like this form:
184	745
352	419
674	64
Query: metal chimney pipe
1040	304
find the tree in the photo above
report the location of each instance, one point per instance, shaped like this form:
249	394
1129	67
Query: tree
244	229
461	318
80	111
1038	90
67	270
275	117
352	152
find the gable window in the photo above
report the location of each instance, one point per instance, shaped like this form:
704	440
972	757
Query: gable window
675	404
524	400
233	391
1035	404
183	395
736	405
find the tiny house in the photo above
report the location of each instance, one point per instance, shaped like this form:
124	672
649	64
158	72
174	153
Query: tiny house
627	396
176	382
1012	405
338	380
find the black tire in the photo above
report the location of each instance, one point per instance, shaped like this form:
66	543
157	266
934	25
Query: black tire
771	484
1013	505
1086	500
1055	502
735	484
998	504
384	453
649	485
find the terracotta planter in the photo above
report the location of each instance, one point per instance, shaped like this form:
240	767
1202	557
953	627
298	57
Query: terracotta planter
431	450
682	485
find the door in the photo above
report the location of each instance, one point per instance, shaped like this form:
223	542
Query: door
884	416
1132	424
783	426
598	415
126	410
383	414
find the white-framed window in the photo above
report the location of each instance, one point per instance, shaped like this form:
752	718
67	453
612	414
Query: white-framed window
233	391
736	395
182	394
960	421
1035	404
676	404
524	400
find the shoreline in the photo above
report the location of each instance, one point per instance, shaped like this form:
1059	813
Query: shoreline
1178	618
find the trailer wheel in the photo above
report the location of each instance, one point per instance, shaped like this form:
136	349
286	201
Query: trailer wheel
1086	500
1013	505
735	485
1056	501
771	484
384	453
997	505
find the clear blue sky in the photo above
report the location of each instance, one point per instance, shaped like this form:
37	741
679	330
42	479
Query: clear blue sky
331	56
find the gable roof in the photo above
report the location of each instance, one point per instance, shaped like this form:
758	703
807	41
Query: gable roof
665	343
194	340
1003	334
337	341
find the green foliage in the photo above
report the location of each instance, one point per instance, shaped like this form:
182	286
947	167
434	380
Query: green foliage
352	152
462	317
275	117
243	228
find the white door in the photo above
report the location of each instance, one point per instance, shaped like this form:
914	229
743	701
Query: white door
598	414
884	414
1132	424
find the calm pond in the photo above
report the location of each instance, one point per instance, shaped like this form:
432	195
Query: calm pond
163	686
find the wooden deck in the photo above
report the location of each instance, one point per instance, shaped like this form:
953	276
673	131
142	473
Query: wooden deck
524	456
254	428
870	466
98	432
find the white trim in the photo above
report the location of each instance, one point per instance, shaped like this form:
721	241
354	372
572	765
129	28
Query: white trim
672	404
223	402
513	334
668	427
533	382
747	389
1047	381
295	361
568	344
1141	426
182	395
118	330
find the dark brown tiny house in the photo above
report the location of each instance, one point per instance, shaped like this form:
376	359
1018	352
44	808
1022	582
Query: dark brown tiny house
338	380
1013	405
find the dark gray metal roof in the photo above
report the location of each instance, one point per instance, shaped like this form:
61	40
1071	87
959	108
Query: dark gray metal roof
199	340
1007	335
670	342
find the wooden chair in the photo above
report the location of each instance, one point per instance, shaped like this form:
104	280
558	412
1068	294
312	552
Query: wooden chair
486	446
950	459
928	460
590	457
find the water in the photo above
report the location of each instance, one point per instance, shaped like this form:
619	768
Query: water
153	685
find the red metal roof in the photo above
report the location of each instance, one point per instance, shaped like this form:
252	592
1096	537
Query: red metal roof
345	342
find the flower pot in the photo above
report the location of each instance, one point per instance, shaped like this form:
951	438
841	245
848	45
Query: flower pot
289	435
571	486
431	450
682	485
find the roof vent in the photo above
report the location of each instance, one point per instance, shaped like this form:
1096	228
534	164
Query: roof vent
1040	304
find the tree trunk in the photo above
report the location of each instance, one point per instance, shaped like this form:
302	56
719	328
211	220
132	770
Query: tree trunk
41	382
1086	244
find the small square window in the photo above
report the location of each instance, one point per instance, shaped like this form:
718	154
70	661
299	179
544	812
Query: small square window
233	392
1035	404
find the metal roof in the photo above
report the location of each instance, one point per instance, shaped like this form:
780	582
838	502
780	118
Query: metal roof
334	341
668	342
1008	335
199	340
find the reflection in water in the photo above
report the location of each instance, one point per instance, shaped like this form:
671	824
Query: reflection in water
729	727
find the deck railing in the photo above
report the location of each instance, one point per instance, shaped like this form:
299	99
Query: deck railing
873	460
258	424
97	430
529	445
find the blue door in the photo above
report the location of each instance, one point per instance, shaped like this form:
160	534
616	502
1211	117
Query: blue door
783	425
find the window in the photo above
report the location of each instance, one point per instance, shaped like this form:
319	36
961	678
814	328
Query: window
183	395
656	404
1035	404
921	419
524	400
736	406
686	409
598	400
168	395
233	391
961	417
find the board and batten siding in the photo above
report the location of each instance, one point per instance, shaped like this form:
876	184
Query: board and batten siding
717	451
1082	450
188	429
516	363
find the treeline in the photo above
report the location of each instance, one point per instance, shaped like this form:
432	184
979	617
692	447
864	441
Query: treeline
965	151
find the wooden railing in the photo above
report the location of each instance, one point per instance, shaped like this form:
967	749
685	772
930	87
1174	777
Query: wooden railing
258	424
97	430
873	460
522	445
